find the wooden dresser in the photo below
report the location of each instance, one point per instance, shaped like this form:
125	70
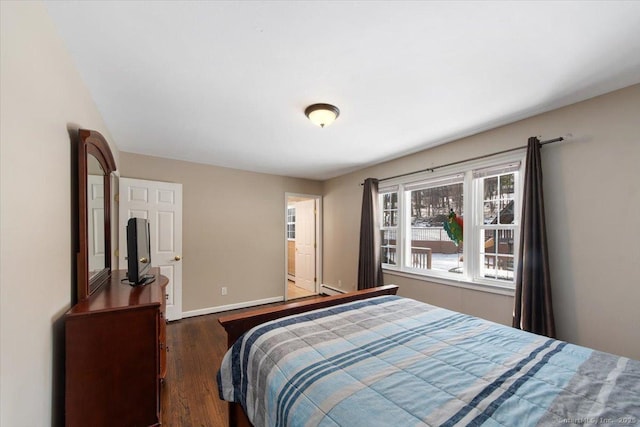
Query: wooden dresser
116	355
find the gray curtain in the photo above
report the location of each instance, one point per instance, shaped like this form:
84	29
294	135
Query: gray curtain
533	310
370	262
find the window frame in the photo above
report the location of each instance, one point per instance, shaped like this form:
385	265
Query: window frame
407	188
473	220
291	223
480	226
384	228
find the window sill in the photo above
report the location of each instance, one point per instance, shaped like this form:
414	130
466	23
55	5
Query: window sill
482	287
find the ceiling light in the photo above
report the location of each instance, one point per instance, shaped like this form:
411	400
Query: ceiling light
322	114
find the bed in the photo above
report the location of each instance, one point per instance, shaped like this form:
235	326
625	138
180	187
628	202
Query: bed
375	359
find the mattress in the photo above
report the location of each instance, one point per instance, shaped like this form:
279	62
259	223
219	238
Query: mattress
393	361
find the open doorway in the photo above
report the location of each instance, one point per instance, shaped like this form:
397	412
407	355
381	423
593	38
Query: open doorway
302	245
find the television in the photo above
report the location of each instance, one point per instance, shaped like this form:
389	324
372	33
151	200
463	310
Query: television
138	252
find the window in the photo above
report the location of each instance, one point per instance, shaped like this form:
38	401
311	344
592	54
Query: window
291	223
389	227
417	231
428	244
496	225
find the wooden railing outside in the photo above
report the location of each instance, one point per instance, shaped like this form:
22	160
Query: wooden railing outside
424	242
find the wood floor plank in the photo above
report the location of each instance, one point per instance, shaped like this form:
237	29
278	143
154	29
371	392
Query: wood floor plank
190	391
190	395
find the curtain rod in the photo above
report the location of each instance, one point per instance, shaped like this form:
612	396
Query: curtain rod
431	169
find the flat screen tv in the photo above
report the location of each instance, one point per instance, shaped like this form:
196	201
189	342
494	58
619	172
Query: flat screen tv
138	252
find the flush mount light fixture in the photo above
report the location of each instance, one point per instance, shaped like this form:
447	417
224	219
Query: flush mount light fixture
322	114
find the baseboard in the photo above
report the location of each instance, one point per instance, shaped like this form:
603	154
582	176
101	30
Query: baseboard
330	290
220	308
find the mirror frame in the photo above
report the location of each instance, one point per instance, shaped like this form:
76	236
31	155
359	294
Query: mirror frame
93	143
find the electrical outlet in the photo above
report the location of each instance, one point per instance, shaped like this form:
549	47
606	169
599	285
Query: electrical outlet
223	290
339	283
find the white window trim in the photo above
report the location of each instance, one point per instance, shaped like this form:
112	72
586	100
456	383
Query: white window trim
466	280
494	288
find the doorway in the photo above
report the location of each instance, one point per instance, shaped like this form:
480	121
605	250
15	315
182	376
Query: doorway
302	245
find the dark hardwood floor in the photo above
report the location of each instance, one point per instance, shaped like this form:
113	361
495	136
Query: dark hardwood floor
190	392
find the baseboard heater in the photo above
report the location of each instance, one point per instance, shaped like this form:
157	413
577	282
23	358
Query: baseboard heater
330	290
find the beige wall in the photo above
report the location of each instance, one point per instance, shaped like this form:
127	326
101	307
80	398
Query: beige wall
233	228
593	242
596	290
41	95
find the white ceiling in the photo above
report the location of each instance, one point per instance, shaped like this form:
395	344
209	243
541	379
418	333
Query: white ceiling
226	83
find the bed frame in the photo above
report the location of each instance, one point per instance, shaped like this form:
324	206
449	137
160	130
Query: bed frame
238	324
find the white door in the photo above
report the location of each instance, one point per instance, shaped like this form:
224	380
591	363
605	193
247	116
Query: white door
305	245
95	208
161	204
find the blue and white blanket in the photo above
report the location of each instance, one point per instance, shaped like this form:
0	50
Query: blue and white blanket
392	361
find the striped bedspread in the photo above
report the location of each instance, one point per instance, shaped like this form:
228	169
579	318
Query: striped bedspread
392	361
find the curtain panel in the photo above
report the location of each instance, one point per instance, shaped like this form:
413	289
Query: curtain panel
370	261
533	309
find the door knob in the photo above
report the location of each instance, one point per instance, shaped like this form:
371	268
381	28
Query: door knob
177	258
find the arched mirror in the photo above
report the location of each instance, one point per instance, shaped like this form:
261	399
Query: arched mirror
95	165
